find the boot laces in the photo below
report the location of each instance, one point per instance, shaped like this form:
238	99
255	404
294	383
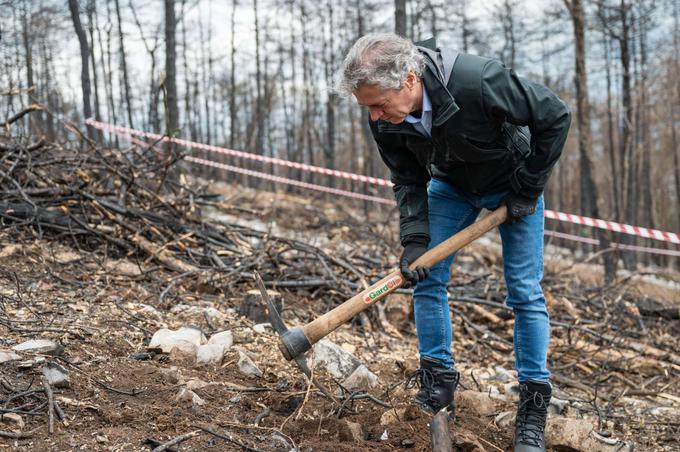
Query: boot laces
423	378
531	419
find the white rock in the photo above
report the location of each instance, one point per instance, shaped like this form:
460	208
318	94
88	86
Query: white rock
171	375
360	379
178	308
247	367
505	419
210	354
185	339
56	375
476	402
8	355
261	328
557	405
14	418
213	314
337	361
41	346
189	396
149	310
385	436
225	338
577	434
504	375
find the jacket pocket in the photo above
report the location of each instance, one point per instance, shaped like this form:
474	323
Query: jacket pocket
458	149
518	140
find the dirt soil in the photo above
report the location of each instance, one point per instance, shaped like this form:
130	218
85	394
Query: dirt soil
104	309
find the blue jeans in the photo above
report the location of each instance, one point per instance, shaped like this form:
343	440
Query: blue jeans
451	210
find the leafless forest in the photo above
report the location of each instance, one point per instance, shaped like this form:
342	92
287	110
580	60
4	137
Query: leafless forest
254	76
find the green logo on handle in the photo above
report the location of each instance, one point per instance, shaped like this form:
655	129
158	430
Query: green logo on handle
389	285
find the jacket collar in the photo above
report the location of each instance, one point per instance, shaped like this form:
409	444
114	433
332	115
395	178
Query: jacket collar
443	104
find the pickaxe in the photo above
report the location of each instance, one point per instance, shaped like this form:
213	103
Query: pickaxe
296	341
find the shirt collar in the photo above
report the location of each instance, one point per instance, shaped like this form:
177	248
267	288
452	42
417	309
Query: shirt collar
427	108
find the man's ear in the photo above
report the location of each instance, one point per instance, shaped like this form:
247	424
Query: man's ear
411	80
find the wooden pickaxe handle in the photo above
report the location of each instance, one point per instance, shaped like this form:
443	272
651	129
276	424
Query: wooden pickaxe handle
325	324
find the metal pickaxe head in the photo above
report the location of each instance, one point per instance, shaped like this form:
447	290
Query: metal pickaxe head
293	343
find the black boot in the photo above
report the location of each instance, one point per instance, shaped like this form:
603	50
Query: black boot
534	397
437	385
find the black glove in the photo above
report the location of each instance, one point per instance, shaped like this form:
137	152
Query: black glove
414	247
519	206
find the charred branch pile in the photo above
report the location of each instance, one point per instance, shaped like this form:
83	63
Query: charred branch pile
130	202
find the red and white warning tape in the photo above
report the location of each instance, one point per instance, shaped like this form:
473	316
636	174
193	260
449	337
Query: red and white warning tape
271	177
619	246
612	226
551	214
241	154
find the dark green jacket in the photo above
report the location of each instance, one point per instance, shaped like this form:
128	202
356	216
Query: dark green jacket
491	131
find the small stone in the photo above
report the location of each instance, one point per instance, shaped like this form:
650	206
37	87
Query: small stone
14	418
352	432
247	367
557	406
385	436
505	419
503	375
236	399
185	339
149	310
225	338
337	361
360	379
8	355
577	434
40	346
188	396
171	375
56	375
213	314
261	328
101	439
466	440
210	354
479	403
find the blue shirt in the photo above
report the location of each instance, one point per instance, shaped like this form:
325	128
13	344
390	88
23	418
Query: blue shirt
424	123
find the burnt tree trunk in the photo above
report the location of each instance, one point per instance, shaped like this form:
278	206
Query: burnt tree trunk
84	61
589	191
172	121
123	62
400	17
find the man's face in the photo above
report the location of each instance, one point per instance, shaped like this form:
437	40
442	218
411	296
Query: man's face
392	105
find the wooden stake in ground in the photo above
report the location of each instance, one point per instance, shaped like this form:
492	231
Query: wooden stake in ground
439	429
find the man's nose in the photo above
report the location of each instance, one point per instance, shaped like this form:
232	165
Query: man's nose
375	113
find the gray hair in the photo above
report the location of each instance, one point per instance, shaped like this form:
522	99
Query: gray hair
382	59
